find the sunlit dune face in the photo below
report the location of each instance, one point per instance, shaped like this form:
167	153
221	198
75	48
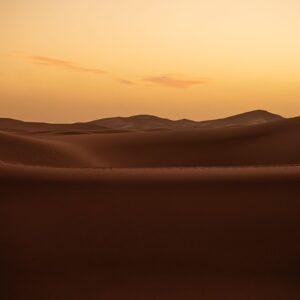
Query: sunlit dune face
64	60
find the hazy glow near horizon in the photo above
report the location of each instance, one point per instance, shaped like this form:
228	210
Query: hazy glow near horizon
66	60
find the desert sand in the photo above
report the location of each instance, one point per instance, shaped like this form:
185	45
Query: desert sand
176	213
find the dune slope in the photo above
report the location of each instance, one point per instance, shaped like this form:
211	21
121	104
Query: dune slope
218	233
265	144
30	150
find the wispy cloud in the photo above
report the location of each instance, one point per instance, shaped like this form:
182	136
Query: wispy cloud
125	81
167	80
65	64
174	82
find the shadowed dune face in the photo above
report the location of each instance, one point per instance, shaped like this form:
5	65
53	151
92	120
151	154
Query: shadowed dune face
264	144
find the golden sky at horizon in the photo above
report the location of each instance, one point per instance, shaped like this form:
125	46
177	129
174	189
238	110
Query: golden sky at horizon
68	60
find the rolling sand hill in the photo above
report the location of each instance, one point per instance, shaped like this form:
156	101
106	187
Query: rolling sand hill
17	125
140	122
271	143
152	122
245	119
183	213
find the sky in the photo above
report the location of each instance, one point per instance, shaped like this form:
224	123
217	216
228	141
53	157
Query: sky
72	60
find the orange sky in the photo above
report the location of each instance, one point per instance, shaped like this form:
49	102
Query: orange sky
69	60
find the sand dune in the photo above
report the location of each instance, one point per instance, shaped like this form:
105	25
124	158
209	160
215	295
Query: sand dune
151	122
264	144
244	119
29	150
272	143
17	125
198	233
181	213
141	122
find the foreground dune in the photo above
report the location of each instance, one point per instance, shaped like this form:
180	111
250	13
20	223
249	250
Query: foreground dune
171	233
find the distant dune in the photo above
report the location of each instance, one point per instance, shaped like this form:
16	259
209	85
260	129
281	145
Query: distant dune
16	125
245	119
141	122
